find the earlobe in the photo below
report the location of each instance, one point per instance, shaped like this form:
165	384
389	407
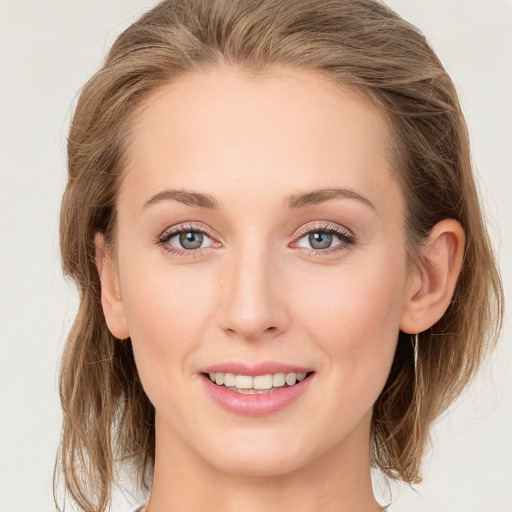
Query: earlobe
111	301
432	285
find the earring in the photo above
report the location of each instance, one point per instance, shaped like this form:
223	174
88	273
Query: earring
418	396
415	349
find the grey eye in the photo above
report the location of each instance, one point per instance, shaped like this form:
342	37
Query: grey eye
320	239
191	240
188	240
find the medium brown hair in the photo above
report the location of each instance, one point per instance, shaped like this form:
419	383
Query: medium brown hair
362	44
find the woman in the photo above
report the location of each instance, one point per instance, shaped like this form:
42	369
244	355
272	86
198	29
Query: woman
284	273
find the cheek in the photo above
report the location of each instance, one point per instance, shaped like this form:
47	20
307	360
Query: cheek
355	321
166	313
352	298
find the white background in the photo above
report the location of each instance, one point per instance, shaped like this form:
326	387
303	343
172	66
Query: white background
47	51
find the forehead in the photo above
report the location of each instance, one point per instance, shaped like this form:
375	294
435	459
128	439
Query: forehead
282	130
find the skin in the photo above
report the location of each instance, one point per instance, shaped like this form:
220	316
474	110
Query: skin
257	290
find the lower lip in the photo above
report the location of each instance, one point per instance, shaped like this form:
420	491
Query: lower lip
255	405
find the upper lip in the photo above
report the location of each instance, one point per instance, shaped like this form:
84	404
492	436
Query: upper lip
253	369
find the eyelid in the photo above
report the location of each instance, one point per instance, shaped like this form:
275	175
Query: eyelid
187	226
325	226
175	230
345	236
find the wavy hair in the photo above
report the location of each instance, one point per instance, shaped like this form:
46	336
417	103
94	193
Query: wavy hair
362	44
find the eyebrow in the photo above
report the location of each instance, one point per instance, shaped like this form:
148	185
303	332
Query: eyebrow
326	194
200	200
186	197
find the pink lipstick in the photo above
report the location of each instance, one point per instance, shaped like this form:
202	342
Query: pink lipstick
255	389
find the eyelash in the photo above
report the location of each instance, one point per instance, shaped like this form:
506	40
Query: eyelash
346	237
166	236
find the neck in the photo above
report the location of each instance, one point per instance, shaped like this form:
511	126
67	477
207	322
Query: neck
336	481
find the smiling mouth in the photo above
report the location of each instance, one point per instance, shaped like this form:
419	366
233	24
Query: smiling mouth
258	384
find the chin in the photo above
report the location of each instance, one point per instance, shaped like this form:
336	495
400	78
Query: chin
263	465
264	456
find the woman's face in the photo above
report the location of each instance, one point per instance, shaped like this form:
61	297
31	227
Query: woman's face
260	232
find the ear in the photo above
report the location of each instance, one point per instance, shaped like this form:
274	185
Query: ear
111	302
431	287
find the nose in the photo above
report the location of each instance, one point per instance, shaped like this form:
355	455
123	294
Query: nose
252	302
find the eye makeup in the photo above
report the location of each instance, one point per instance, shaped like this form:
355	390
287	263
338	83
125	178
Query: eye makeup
321	233
188	233
191	239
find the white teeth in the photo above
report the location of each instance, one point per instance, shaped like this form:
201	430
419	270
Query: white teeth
258	382
278	380
243	381
229	379
291	379
262	382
